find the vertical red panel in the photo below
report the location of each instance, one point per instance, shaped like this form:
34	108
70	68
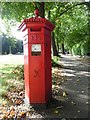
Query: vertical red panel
26	72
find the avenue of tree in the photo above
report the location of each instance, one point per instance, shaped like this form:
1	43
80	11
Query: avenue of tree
72	21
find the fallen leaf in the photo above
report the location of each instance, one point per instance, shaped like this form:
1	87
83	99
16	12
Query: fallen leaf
59	107
65	94
4	117
67	98
87	103
83	91
63	119
78	80
75	117
77	91
56	111
12	112
78	111
73	103
23	114
18	102
28	114
21	93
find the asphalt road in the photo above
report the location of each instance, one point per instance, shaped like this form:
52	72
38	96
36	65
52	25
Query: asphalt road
11	59
77	87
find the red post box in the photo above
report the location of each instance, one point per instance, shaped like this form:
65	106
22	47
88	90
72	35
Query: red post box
37	59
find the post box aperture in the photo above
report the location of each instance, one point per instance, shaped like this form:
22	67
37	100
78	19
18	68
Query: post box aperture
37	59
36	50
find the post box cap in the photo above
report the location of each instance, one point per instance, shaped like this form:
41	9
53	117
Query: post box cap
36	12
36	20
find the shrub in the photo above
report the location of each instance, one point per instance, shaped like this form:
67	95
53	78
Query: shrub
54	61
76	50
3	92
18	72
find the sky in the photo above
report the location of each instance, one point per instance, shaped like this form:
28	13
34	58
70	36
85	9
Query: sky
2	28
15	33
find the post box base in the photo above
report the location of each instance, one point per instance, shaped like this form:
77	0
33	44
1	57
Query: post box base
37	105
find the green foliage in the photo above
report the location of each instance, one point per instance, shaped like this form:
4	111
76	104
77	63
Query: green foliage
76	49
71	20
18	72
3	82
4	70
85	48
55	60
71	26
6	42
17	10
3	92
82	48
10	81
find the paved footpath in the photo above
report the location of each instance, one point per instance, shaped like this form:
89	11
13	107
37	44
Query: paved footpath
77	87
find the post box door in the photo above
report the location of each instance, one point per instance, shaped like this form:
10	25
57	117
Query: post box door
37	84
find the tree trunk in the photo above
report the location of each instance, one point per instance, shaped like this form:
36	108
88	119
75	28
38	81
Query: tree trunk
49	15
57	45
55	53
54	48
88	6
41	10
10	50
42	14
63	51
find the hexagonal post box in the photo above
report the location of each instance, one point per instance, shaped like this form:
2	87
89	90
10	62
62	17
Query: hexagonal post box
37	59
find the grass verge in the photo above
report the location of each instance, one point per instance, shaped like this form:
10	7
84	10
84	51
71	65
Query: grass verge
9	81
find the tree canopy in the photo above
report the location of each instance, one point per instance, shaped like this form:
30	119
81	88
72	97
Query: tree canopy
71	21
